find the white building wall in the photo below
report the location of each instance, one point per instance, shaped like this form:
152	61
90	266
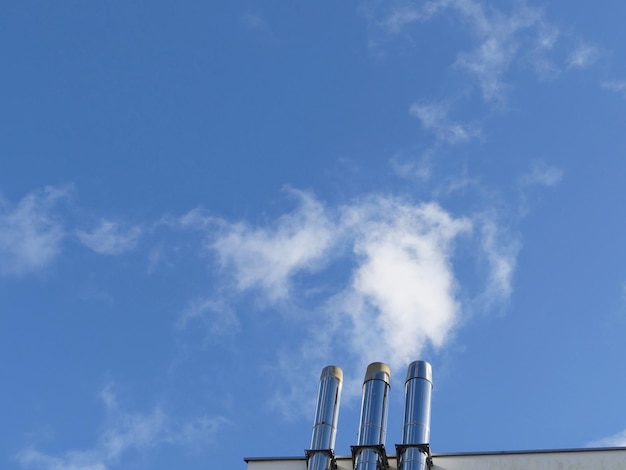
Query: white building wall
575	459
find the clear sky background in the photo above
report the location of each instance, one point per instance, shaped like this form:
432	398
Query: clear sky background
202	204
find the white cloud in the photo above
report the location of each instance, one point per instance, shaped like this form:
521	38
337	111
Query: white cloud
199	431
499	43
434	117
30	235
132	431
542	174
412	169
460	183
255	22
583	56
547	37
400	14
72	460
196	219
616	440
419	170
267	257
500	250
108	397
400	286
395	289
109	238
618	86
400	17
499	38
124	432
216	313
402	292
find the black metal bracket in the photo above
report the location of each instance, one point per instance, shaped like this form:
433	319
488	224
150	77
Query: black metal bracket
328	452
423	448
378	448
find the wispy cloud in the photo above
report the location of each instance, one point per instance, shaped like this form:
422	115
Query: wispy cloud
412	168
434	117
616	440
110	238
500	250
500	40
71	460
539	55
217	314
583	56
30	234
400	16
542	174
618	86
122	433
398	293
255	22
400	285
499	37
397	15
198	432
267	257
136	431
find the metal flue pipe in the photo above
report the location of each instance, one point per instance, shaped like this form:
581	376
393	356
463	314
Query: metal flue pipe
413	453
326	415
373	423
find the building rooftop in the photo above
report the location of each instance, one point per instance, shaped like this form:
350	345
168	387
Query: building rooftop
610	458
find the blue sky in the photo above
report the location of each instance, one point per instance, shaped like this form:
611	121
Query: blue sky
202	204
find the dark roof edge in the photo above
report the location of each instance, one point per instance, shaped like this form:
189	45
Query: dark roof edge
536	451
462	454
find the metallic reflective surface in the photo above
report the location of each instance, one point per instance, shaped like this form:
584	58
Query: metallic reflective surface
326	415
416	427
373	423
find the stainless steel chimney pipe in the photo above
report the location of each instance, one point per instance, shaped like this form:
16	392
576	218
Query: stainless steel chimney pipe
416	427
326	415
373	423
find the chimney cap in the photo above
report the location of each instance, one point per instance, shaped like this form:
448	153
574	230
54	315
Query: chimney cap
378	371
420	370
332	371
